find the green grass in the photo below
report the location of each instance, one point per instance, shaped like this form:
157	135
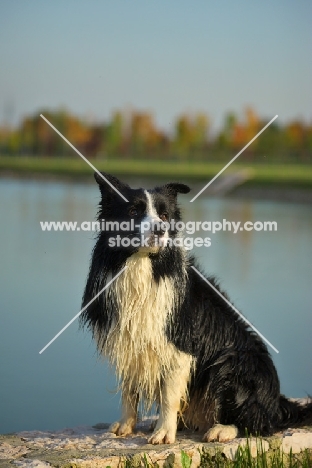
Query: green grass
243	459
285	175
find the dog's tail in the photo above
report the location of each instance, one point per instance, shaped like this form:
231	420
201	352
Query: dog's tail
294	413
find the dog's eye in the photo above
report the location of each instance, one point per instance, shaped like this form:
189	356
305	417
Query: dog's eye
133	211
164	216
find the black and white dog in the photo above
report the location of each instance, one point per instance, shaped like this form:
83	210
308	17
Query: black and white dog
171	337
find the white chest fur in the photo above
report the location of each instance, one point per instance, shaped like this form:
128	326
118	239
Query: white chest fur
137	343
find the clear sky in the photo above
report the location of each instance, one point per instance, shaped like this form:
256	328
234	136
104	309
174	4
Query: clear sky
95	56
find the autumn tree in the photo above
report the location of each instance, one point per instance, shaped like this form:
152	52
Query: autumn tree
114	137
145	137
191	134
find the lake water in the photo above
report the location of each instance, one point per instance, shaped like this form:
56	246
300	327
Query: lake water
266	274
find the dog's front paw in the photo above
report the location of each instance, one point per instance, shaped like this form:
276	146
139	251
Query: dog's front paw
221	433
162	436
122	428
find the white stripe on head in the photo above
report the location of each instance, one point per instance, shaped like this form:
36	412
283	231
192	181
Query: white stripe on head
149	221
151	215
151	210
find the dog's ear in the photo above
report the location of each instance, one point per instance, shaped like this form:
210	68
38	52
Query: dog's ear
175	188
108	183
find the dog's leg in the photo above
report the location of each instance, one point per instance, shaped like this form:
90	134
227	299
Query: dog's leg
129	415
221	433
173	389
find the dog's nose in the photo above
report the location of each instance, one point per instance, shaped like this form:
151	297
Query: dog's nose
159	228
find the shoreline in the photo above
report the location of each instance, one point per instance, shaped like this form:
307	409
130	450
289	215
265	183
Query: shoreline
299	175
247	190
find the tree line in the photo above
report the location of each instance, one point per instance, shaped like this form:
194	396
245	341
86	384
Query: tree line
135	135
